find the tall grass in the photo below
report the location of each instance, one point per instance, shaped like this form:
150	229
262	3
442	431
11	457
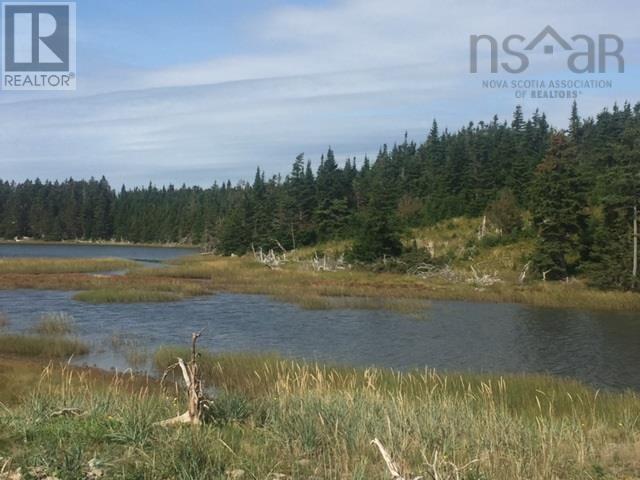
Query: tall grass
54	324
280	419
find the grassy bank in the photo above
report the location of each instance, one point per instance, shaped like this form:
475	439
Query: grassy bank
41	346
297	283
454	243
283	419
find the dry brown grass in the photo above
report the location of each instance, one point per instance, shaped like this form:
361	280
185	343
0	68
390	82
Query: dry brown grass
364	289
298	283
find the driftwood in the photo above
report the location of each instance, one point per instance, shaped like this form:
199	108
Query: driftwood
67	412
271	259
439	468
525	270
196	403
394	471
484	279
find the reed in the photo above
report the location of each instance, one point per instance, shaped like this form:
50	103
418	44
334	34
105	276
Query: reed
276	418
54	324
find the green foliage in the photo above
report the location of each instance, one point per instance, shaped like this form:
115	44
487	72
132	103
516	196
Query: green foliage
611	263
504	212
559	211
504	169
379	233
229	408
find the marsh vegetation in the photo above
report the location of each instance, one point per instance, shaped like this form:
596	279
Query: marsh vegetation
296	420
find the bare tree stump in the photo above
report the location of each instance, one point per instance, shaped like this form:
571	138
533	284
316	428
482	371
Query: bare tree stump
196	402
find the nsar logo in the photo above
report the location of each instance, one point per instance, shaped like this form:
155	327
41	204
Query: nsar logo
586	54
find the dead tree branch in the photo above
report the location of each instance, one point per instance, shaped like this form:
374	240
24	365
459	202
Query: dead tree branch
391	465
196	401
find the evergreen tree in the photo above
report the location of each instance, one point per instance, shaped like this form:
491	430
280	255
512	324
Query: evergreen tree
558	212
379	234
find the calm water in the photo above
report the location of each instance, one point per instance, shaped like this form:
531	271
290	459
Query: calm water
600	348
145	254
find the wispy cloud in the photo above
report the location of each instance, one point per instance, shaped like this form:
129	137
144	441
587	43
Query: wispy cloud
353	74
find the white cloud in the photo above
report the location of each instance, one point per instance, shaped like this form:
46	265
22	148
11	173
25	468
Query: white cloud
353	74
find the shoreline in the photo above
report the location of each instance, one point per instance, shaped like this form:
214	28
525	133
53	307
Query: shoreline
106	243
196	275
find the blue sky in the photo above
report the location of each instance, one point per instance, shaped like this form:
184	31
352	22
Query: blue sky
197	91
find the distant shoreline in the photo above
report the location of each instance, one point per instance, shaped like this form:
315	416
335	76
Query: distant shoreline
105	243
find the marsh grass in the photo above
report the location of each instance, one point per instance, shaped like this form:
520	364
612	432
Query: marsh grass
296	283
316	302
274	416
122	295
39	346
135	290
55	324
368	290
259	375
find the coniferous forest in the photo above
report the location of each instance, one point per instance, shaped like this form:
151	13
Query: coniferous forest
575	191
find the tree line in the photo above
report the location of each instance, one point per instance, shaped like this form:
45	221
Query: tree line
575	190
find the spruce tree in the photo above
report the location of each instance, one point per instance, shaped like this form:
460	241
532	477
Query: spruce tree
559	211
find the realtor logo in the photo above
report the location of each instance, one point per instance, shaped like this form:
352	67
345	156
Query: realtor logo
38	51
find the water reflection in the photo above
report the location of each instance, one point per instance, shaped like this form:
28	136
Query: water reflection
599	348
146	254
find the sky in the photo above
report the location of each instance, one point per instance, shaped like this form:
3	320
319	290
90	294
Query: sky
199	91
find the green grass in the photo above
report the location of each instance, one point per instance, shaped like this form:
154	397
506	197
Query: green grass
39	346
54	324
274	416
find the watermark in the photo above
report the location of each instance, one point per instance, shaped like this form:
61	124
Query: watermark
38	46
547	89
588	55
580	54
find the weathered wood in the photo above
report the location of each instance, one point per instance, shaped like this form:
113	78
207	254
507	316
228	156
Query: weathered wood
391	466
196	402
525	270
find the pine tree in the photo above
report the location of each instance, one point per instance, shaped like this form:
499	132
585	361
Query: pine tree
559	204
614	260
379	233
